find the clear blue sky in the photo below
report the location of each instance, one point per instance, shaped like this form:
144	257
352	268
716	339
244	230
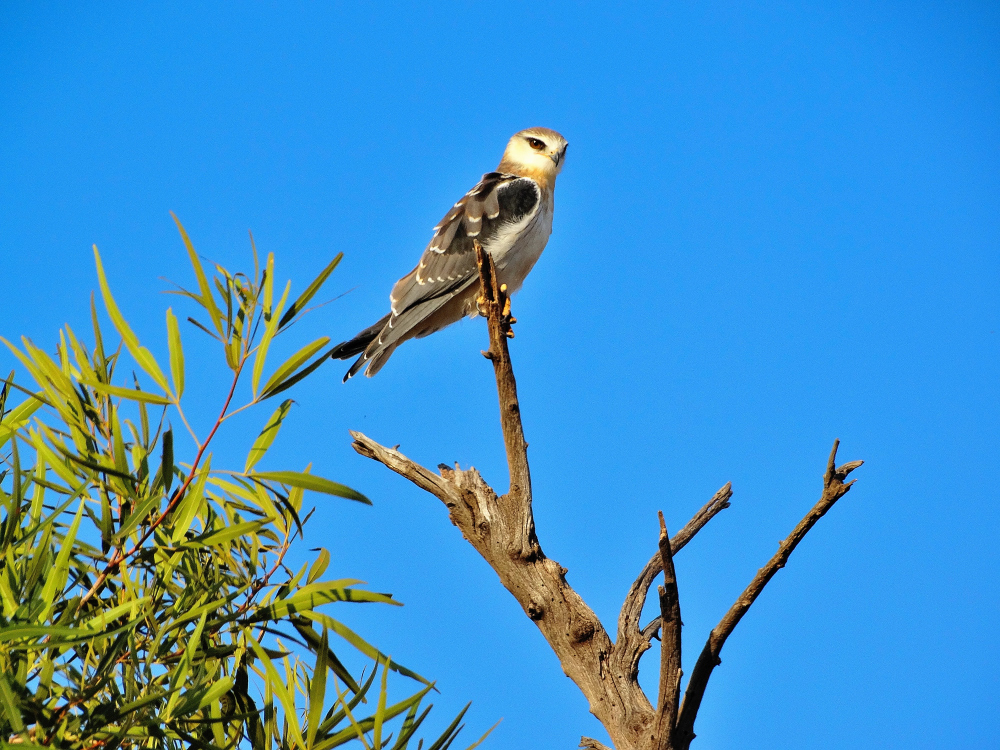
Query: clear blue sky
778	224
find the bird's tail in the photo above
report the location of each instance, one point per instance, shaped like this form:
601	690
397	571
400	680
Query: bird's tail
360	342
358	345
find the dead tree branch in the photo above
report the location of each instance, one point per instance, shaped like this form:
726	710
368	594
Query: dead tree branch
632	642
494	303
833	489
502	530
670	645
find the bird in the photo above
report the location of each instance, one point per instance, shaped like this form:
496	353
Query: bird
509	211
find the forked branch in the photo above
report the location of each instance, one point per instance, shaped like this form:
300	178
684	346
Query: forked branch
834	488
502	530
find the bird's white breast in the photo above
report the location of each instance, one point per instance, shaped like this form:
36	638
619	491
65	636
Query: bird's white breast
517	247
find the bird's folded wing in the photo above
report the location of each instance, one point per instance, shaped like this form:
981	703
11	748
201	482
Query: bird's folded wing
449	262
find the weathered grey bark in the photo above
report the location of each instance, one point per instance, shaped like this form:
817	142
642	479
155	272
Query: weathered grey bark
502	530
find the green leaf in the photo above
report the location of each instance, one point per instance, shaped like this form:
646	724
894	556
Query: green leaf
56	634
319	567
176	352
198	699
132	607
365	725
142	356
267	435
315	595
184	514
127	393
11	705
305	629
317	691
310	482
207	300
95	465
167	460
278	684
291	364
309	293
379	716
17	417
271	326
300	375
361	644
224	535
137	516
57	576
144	701
180	672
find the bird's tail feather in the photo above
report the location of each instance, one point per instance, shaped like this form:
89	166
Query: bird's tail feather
375	357
360	342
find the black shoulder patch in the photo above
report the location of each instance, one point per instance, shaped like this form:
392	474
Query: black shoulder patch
518	198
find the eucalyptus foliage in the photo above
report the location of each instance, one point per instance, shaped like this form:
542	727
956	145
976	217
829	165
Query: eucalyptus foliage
144	593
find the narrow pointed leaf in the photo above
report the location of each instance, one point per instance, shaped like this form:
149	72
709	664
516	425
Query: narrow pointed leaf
141	355
291	364
185	513
309	293
207	300
127	393
167	460
267	435
311	482
224	535
176	353
10	705
17	417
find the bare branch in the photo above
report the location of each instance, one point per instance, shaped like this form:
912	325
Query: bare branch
494	303
502	530
670	646
631	642
834	488
393	459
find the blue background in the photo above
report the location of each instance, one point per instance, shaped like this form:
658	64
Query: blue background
778	224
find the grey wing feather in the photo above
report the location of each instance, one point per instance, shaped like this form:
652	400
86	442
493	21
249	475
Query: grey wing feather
450	257
448	265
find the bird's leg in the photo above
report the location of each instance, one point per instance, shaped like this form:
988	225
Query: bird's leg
506	317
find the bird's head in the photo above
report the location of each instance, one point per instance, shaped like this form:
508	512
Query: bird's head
535	152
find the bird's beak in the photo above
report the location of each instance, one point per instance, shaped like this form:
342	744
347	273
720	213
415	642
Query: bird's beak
558	156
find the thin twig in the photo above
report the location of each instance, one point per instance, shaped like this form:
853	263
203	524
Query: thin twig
670	646
834	488
260	584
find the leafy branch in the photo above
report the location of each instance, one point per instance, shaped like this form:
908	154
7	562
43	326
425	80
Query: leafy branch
145	599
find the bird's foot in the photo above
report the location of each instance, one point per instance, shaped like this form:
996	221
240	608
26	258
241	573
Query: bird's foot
507	320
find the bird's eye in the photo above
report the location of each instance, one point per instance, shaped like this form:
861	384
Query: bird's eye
536	144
